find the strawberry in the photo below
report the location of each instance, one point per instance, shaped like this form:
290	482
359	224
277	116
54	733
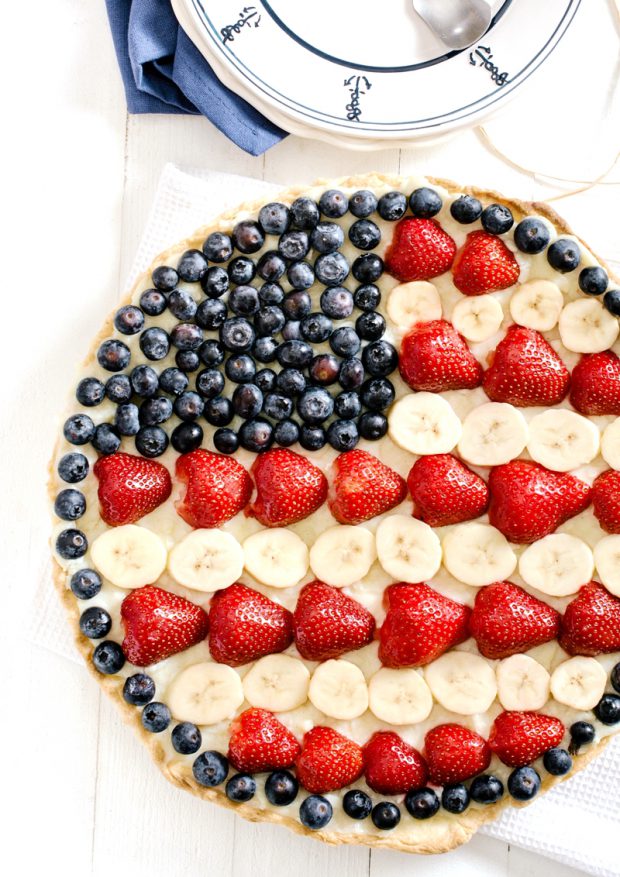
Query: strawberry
158	624
328	761
420	625
288	486
518	738
218	488
529	501
595	384
328	623
484	264
130	487
258	741
526	371
606	500
245	625
454	753
591	622
445	491
434	357
506	620
391	766
420	249
364	487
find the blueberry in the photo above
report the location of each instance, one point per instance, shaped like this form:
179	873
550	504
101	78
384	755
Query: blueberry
331	269
215	282
164	278
351	374
377	394
316	328
106	439
362	203
392	206
211	352
425	202
327	237
256	435
247	401
90	392
269	320
286	433
186	336
345	341
607	709
127	419
192	266
304	213
247	236
364	234
264	349
73	468
271	266
367	297
156	717
219	411
265	379
241	270
151	441
108	657
333	203
324	369
614	676
154	343
294	354
337	303
271	294
581	733
79	429
144	381
380	358
217	247
85	584
297	305
486	789
343	435
186	738
355	803
139	689
496	219
186	437
564	255
274	218
557	761
188	406
292	331
455	799
422	803
294	245
187	360
466	209
532	235
240	787
225	440
281	788
347	405
118	389
611	300
237	335
211	313
113	355
173	381
593	280
524	783
240	369
300	275
129	320
154	411
181	304
277	406
209	383
290	381
315	405
385	815
315	812
368	268
153	302
370	326
372	426
312	438
243	300
95	623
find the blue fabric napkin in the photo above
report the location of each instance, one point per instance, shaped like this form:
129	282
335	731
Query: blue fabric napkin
163	72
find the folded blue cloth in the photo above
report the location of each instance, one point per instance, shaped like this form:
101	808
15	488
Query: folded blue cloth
163	72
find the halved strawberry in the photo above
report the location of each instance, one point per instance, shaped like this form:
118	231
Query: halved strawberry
245	625
529	501
420	625
391	766
526	371
595	384
434	357
606	500
288	488
328	623
484	264
445	491
218	488
518	738
363	487
591	622
328	761
506	620
158	624
454	753
258	741
420	249
130	487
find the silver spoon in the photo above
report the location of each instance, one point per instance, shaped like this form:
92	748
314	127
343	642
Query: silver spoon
457	23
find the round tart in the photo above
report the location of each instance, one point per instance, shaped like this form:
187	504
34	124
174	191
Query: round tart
337	509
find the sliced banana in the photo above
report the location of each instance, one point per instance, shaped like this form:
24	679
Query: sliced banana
424	423
408	549
342	555
399	697
478	554
277	683
562	440
610	444
206	560
478	317
522	683
537	304
587	327
276	557
493	433
579	682
415	302
338	689
607	562
129	556
462	682
557	565
205	693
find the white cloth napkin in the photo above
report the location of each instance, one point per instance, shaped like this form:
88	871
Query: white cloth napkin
576	822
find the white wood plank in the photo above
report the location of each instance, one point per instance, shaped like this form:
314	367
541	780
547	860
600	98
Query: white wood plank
481	857
523	863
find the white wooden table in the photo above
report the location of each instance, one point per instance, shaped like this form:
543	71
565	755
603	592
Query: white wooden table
80	795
